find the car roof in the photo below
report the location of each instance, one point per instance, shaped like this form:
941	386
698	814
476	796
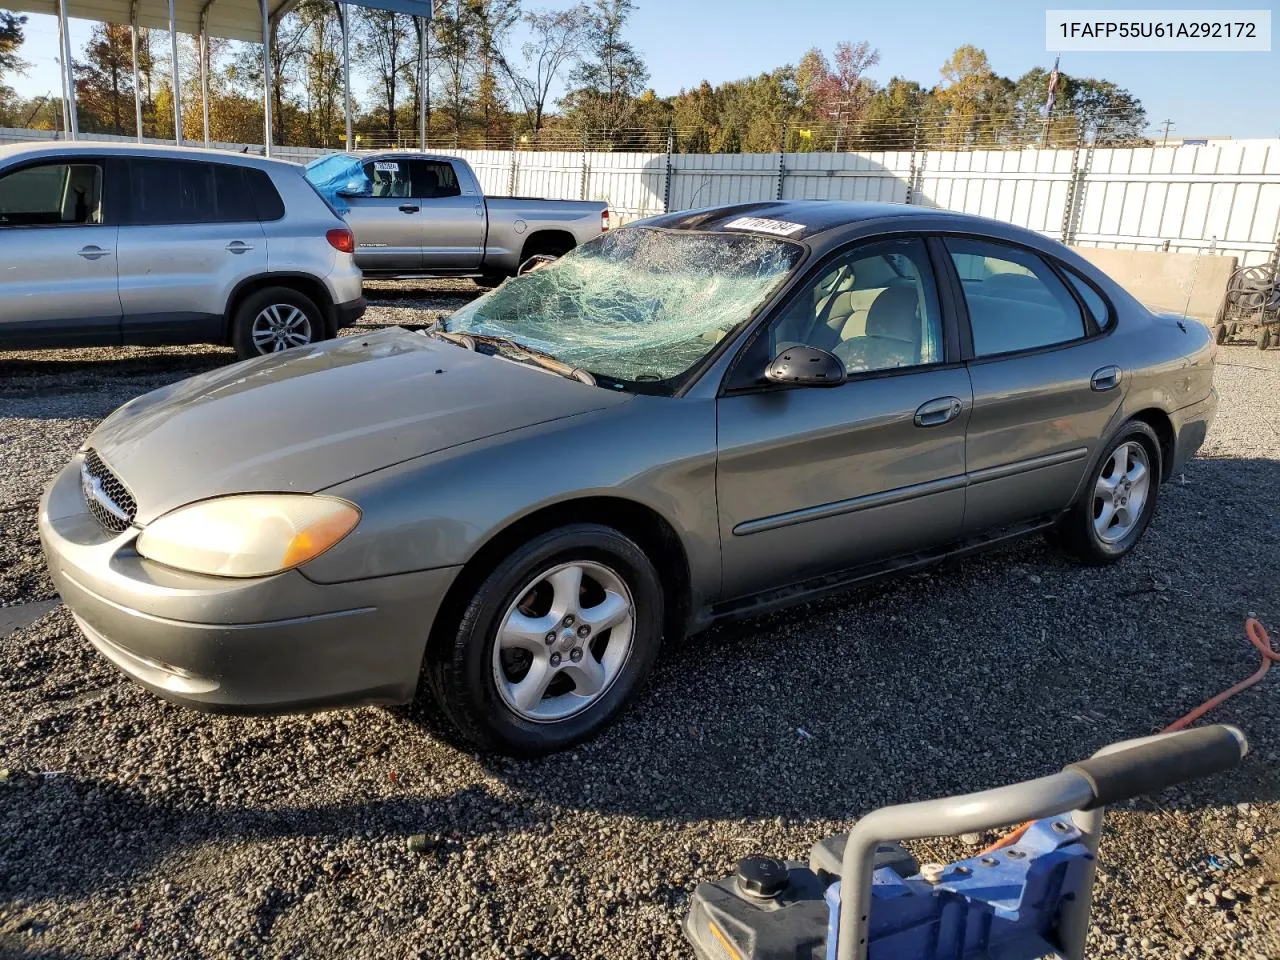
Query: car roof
825	224
815	217
36	149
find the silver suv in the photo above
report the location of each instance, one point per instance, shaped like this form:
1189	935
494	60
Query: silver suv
109	244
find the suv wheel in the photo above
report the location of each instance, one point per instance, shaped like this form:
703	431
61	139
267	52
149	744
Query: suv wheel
1118	500
276	319
553	644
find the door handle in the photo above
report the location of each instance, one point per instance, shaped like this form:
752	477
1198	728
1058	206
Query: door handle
239	246
92	252
1108	378
409	208
939	411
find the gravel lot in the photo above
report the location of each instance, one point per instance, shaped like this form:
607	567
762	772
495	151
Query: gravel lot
135	828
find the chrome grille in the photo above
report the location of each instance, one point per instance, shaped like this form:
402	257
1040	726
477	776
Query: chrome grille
106	497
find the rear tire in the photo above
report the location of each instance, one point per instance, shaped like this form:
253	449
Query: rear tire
477	670
274	319
1264	338
1220	334
1117	503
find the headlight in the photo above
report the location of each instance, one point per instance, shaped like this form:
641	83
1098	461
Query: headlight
248	535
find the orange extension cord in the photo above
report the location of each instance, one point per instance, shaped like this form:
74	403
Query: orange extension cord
1257	635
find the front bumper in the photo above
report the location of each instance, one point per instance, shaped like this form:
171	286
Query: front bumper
276	643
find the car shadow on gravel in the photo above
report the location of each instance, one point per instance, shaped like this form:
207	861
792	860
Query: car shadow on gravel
67	836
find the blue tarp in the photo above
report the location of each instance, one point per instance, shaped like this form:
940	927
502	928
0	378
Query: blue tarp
338	172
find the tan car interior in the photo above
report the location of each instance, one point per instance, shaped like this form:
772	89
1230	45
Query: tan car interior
864	311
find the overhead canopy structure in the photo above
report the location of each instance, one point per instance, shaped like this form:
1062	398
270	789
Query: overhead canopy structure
228	19
247	20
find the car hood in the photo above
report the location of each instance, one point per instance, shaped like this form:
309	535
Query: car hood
312	417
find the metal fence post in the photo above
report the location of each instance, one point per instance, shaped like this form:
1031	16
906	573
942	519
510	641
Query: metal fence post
511	182
1068	208
666	181
915	145
586	168
782	161
1075	187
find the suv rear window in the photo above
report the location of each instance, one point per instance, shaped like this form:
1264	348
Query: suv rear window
186	191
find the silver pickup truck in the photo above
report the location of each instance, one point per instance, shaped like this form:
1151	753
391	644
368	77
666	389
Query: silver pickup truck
421	215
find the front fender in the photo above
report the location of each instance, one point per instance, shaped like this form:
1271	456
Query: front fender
439	510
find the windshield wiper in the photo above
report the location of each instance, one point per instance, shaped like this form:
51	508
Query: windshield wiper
518	352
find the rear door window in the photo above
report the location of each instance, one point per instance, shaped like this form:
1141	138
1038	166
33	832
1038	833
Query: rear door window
1015	300
434	179
51	195
163	192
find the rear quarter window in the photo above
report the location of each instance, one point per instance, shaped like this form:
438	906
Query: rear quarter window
266	198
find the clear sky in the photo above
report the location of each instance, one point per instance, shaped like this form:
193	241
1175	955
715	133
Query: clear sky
686	41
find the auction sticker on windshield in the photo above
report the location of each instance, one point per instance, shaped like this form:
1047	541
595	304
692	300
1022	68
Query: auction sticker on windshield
386	165
781	228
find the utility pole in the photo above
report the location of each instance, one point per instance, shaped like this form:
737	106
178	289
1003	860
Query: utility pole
1168	125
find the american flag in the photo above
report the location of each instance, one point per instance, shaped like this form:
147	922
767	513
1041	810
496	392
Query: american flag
1047	109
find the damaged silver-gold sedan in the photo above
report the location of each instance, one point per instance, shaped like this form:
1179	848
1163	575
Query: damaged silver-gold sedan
700	416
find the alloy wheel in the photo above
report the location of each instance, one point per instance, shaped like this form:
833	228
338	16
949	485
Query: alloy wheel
564	641
279	327
1121	492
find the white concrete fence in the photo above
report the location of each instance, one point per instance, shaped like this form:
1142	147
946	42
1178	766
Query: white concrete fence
1221	198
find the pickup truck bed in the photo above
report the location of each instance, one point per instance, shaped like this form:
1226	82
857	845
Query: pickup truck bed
424	215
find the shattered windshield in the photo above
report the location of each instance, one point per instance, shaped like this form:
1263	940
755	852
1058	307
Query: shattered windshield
638	304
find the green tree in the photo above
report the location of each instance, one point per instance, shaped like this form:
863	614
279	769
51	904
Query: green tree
454	27
11	37
607	84
894	116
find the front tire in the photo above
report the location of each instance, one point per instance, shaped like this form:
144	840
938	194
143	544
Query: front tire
1117	503
553	644
275	319
1264	338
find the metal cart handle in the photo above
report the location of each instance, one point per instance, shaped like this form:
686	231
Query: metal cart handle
1117	772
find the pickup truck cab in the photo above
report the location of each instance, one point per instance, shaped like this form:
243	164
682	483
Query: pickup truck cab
422	215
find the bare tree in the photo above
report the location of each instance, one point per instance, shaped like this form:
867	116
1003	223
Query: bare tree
556	39
385	49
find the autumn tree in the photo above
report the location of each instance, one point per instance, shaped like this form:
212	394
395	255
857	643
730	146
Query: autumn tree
976	103
104	81
842	95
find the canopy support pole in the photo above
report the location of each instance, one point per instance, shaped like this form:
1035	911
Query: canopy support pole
204	71
344	18
137	84
177	77
266	78
68	74
421	24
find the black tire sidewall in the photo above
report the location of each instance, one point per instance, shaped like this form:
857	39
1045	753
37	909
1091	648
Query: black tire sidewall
465	686
242	325
1084	537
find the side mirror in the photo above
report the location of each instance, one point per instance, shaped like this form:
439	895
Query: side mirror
806	367
536	262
